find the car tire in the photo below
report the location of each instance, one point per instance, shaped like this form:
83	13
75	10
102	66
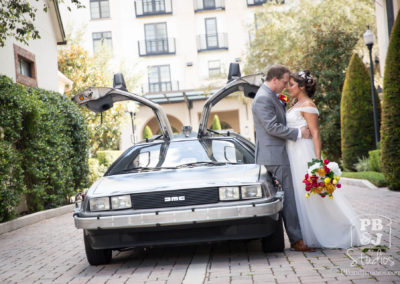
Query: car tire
276	241
96	256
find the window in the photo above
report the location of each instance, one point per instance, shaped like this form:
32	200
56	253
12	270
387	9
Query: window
209	4
156	38
153	6
99	9
25	67
211	33
214	68
159	78
101	38
177	153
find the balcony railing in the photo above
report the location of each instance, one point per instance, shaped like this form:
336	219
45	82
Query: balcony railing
152	7
260	2
202	5
153	47
158	87
212	42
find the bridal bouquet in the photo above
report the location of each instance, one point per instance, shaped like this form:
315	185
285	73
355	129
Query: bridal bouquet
322	178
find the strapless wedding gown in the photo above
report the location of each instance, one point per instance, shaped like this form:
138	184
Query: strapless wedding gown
324	222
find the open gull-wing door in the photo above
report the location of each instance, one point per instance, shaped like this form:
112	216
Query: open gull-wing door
248	84
99	99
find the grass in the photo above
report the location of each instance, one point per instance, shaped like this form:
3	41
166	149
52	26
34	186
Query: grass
378	179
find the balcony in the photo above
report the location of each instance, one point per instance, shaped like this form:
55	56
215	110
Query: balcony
159	87
209	42
204	5
145	8
260	2
153	47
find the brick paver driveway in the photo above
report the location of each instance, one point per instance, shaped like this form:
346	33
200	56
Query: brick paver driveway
52	252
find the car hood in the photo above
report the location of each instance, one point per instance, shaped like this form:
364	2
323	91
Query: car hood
171	179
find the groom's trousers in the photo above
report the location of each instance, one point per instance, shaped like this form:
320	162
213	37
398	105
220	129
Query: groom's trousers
290	216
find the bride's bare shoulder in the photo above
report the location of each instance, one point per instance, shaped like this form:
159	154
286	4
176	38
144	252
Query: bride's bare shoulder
308	103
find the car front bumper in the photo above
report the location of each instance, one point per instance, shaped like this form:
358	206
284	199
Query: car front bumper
180	217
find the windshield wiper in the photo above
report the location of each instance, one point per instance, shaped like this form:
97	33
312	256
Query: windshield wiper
142	169
205	164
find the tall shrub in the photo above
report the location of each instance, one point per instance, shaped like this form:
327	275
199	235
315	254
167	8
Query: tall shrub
14	111
216	125
43	149
356	112
390	135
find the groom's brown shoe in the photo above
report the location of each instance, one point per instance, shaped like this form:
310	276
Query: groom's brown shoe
300	246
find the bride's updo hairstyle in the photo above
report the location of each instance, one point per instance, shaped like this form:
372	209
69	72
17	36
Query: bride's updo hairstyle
304	79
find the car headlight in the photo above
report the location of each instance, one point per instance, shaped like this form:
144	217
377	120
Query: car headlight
229	193
99	204
251	191
121	202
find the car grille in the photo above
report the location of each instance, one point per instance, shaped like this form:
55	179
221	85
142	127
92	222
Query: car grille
191	197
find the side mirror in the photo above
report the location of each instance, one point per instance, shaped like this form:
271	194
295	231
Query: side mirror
119	82
234	71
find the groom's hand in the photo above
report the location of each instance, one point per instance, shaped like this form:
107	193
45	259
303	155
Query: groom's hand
305	132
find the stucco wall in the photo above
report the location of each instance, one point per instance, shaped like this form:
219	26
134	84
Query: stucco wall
44	49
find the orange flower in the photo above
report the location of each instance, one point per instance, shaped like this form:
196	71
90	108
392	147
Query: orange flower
330	188
321	172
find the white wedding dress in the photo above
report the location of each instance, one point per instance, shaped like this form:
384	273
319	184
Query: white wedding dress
324	222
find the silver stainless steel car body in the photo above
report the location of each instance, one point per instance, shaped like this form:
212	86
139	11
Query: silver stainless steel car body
176	220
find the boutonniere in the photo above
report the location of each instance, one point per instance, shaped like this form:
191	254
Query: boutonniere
283	98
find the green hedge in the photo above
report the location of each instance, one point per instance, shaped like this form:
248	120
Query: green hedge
390	134
45	148
378	179
374	160
357	126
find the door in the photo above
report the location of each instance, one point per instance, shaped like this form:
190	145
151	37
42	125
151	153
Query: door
211	33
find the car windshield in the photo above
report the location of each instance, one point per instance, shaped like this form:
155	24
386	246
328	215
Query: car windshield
187	153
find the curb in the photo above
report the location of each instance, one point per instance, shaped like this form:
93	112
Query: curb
34	218
358	182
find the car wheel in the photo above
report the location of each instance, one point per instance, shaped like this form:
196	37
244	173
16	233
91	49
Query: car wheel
96	256
276	241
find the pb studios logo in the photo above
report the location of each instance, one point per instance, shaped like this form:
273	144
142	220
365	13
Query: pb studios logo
376	233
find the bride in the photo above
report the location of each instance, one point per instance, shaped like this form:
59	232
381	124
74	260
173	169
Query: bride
324	222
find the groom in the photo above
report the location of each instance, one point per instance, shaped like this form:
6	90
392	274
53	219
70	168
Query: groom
271	135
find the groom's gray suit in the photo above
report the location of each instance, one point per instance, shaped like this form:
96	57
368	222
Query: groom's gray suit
271	134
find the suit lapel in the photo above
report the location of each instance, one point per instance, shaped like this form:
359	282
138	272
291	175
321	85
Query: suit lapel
279	106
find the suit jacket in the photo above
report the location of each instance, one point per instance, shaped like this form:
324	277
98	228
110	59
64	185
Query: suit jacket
271	130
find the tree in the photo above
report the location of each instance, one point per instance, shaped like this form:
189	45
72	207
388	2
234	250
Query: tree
147	133
17	19
85	71
216	125
315	35
390	129
357	125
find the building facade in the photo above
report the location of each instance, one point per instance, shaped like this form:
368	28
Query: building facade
35	64
176	47
386	13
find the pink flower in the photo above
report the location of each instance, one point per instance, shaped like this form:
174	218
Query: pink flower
327	170
308	188
306	177
338	185
326	161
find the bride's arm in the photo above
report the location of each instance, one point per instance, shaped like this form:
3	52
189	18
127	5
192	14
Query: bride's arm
312	121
